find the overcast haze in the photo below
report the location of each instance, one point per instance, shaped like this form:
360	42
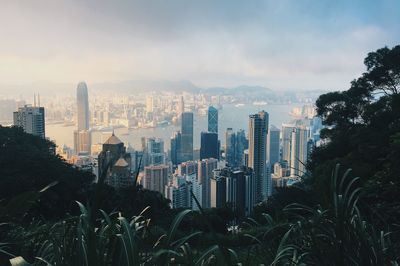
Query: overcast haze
277	44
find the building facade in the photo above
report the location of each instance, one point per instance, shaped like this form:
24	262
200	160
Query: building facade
273	146
180	189
82	136
235	145
235	188
176	141
230	147
155	178
299	151
287	130
205	171
115	164
82	106
187	136
82	142
31	120
154	152
212	119
209	147
258	131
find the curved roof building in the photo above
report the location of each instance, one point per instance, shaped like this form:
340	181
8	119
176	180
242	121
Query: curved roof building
83	106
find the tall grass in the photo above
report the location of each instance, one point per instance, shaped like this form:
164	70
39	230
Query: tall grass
335	234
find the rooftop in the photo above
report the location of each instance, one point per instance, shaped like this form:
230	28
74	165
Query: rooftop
121	163
113	140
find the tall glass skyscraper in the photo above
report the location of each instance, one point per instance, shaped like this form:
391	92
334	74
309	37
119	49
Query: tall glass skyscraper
82	138
154	152
299	147
241	145
287	130
209	145
230	147
212	119
235	144
83	107
187	136
273	146
258	131
176	141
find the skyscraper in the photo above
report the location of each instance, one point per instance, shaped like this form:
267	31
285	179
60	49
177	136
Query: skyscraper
286	139
205	173
149	104
187	136
31	120
218	192
212	119
187	168
115	163
154	152
241	145
299	148
236	188
273	146
82	142
246	158
258	131
209	145
82	138
235	145
176	148
239	191
230	147
155	178
83	107
181	106
179	191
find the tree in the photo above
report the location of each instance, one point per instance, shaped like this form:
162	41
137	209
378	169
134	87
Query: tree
363	125
28	164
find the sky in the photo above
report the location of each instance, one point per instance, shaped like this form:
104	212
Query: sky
281	44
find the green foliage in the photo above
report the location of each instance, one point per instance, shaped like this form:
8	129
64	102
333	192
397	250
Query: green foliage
337	235
28	164
282	197
363	131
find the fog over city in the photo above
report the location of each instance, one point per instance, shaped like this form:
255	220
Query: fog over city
199	132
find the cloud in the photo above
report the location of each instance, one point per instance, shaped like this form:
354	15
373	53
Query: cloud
279	44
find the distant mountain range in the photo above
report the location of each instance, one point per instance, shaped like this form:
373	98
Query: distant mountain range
136	86
174	86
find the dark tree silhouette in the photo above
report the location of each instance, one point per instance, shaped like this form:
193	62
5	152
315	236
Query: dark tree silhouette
363	127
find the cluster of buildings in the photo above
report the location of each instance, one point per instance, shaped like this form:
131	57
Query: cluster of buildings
240	174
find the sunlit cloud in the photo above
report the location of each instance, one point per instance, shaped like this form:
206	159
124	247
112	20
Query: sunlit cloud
285	44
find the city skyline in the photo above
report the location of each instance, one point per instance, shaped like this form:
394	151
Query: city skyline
244	172
257	156
263	132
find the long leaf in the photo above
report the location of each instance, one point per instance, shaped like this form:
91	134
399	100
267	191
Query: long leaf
175	224
206	253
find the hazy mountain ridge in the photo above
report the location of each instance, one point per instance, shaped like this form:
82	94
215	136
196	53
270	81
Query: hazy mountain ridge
128	86
139	86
